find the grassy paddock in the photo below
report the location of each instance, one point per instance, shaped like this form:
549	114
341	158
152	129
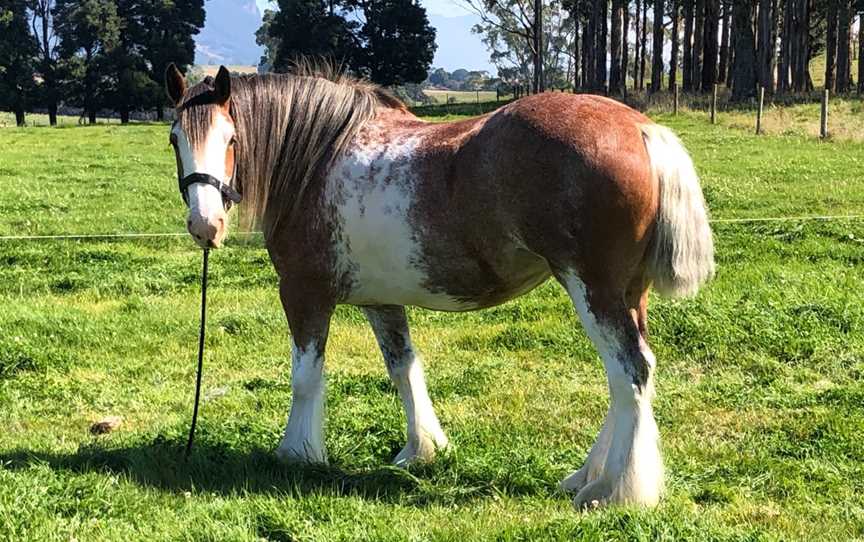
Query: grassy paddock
460	96
760	385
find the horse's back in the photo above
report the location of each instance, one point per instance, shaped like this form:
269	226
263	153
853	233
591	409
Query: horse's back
465	215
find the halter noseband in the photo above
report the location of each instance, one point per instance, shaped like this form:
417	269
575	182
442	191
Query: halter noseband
229	195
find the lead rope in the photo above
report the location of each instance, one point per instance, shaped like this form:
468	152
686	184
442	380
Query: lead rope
200	352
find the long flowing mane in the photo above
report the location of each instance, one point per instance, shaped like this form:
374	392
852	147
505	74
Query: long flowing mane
290	128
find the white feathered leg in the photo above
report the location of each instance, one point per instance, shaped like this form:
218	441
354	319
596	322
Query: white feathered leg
632	469
304	435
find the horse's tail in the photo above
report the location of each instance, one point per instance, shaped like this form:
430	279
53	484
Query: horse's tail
681	254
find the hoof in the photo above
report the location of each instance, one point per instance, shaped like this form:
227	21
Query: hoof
604	492
593	496
575	482
421	450
301	454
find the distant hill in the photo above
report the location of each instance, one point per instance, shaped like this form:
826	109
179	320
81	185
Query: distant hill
228	36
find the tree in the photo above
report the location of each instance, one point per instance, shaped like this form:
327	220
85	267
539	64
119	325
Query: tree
687	75
723	66
267	40
644	44
311	28
396	42
41	20
698	43
676	44
657	51
388	41
831	46
844	36
513	22
88	31
17	52
616	73
765	44
744	68
164	32
711	26
861	50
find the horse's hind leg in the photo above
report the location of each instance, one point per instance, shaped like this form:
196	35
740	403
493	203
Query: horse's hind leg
406	371
624	465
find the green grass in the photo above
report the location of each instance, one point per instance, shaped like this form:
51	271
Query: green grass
760	384
459	96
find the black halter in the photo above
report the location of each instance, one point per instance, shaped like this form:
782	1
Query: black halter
229	195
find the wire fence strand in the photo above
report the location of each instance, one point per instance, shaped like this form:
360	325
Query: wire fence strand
85	236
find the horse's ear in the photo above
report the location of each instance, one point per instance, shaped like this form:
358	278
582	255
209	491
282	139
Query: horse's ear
222	85
175	84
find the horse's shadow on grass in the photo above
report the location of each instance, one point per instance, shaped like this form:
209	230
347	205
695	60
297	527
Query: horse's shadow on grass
218	469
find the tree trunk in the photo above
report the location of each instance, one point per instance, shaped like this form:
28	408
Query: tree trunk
844	36
800	75
602	40
615	79
764	53
831	46
160	113
698	43
709	44
124	116
52	113
687	68
783	64
723	67
576	81
730	69
588	52
676	44
657	50
637	50
744	82
861	54
20	116
91	116
644	39
625	45
538	47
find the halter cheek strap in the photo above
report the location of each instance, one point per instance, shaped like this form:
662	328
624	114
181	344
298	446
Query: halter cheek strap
228	193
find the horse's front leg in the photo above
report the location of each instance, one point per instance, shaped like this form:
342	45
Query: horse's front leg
425	436
309	320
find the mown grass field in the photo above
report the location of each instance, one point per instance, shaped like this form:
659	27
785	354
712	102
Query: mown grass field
459	96
760	384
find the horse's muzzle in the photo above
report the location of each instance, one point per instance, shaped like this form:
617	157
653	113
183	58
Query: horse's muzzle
209	231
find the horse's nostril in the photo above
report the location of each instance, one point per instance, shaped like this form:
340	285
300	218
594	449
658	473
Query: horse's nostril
189	223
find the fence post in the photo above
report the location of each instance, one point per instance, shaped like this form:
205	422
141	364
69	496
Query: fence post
714	104
675	100
823	124
759	111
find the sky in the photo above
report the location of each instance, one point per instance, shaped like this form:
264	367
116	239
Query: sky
457	46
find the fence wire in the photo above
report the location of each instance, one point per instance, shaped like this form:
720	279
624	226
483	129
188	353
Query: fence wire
132	235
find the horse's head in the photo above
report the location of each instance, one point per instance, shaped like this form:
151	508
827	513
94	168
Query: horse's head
203	138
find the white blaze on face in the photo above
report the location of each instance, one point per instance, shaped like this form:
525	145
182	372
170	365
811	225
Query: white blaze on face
207	219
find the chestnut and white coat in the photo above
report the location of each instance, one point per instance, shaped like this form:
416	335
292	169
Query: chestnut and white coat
363	203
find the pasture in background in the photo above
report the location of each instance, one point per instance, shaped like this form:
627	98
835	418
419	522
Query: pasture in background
760	379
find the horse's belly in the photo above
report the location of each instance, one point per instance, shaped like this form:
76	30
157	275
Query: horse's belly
384	257
380	260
